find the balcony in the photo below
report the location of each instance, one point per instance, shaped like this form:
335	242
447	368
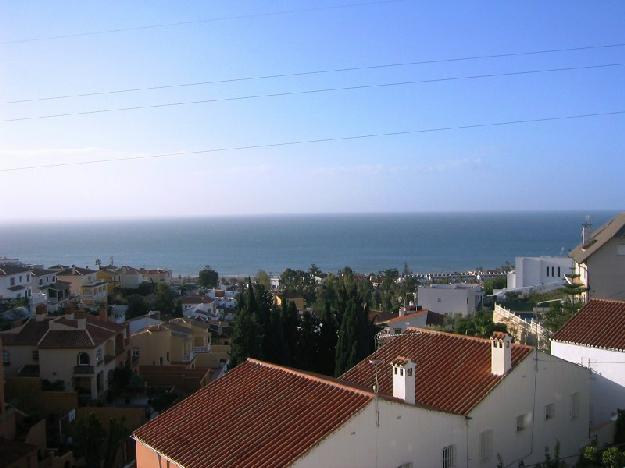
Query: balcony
83	370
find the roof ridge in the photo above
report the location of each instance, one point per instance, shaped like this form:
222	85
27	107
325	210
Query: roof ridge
601	299
316	378
90	337
480	339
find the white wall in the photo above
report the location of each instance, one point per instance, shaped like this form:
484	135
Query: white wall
606	271
450	299
417	435
525	391
607	379
406	434
539	271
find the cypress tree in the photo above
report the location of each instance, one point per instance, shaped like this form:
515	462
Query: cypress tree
246	333
307	343
326	354
290	319
278	351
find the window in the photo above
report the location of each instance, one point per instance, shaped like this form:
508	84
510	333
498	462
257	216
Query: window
36	355
486	445
448	457
397	331
552	271
401	372
395	370
559	272
522	422
82	359
6	358
13	281
98	355
547	271
409	372
550	411
574	405
620	249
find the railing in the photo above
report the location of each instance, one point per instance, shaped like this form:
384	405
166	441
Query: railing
531	332
201	349
83	370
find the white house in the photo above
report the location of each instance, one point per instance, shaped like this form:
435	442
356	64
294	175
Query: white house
600	259
15	281
451	299
539	272
426	399
595	339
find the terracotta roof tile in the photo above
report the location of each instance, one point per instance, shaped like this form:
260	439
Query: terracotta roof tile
66	339
453	372
600	323
29	335
258	414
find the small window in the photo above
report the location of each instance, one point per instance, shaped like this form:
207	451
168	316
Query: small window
522	422
547	271
395	370
486	445
13	281
36	355
397	331
409	372
6	357
559	275
550	412
574	406
448	457
401	372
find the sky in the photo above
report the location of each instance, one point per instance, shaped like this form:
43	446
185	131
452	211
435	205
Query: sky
212	68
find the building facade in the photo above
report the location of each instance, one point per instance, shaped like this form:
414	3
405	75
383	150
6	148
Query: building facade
451	299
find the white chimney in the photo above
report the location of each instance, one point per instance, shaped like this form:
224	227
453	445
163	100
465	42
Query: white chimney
500	353
404	379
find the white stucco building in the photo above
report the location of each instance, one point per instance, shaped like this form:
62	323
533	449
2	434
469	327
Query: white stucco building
426	399
539	272
600	259
15	281
595	339
451	299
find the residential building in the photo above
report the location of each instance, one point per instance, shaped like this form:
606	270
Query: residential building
177	341
600	259
15	282
110	275
451	299
425	399
157	275
595	338
541	273
83	283
129	277
58	295
79	354
143	322
198	307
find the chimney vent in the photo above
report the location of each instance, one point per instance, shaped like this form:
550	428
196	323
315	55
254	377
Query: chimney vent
500	353
586	232
404	379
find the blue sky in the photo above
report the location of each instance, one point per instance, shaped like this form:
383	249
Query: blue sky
560	164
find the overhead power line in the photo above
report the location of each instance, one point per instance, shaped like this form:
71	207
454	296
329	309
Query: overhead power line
200	21
336	69
316	141
280	94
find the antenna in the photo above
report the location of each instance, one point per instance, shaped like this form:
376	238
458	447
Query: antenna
376	388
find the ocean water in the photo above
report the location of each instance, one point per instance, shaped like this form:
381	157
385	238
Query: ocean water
243	245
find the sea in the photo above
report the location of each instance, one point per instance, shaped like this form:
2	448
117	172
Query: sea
243	245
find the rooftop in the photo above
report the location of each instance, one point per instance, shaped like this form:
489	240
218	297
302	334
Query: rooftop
614	227
7	269
600	323
453	372
273	416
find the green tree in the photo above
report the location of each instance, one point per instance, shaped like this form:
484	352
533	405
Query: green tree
356	337
263	278
246	332
89	437
165	299
118	433
307	342
290	323
208	277
137	306
326	353
278	349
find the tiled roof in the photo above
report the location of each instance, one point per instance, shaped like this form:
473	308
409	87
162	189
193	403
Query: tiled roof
453	372
410	316
616	226
7	269
196	300
66	339
29	335
600	323
258	414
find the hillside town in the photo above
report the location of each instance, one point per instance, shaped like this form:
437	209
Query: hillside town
123	366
